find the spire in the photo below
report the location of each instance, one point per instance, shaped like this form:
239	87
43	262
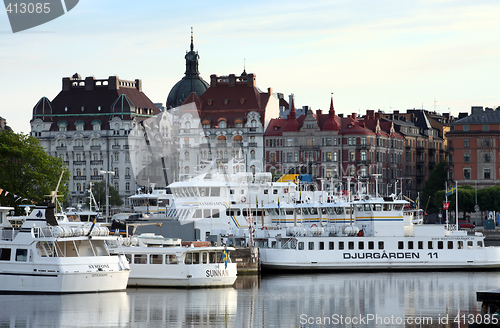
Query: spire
192	45
293	114
331	113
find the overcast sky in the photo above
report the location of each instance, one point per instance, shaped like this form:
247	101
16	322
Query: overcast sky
386	54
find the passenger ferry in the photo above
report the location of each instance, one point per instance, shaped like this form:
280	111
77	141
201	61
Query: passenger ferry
332	229
154	204
44	255
167	262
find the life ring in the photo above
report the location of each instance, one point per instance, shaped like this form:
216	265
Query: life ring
314	225
253	230
243	199
263	228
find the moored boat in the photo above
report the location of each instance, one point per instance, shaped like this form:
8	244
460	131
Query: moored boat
45	255
164	262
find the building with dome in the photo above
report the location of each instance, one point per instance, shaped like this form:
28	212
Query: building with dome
191	82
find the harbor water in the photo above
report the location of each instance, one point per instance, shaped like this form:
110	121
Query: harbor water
383	299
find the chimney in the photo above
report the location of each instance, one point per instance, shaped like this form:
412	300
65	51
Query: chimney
341	115
318	112
378	116
396	112
462	115
251	80
138	85
66	84
290	100
370	113
270	91
113	83
213	80
231	80
476	109
89	83
354	116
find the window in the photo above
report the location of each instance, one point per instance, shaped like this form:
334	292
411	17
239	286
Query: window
222	124
440	244
467	174
328	156
311	245
328	141
466	158
301	245
410	244
140	258
380	245
487	157
252	154
335	156
486	127
361	245
400	245
5	254
351	245
450	244
466	127
341	245
487	174
171	259
371	245
486	143
429	245
21	255
156	259
331	245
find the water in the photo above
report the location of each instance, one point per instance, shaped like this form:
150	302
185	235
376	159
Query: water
299	300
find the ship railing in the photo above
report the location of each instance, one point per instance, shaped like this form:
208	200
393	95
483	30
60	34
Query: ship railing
9	233
291	243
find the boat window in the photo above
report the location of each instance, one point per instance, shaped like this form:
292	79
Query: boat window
331	245
361	245
197	213
368	207
204	257
301	245
289	211
450	244
378	207
479	243
350	245
212	256
440	245
380	245
313	211
156	259
282	212
305	211
401	245
359	208
21	255
215	213
470	244
420	244
410	244
128	256
339	210
347	210
429	245
219	257
323	211
299	211
387	207
275	191
371	245
330	210
215	191
341	245
170	259
398	207
206	213
266	191
140	258
196	258
311	245
321	245
460	244
189	258
5	254
231	191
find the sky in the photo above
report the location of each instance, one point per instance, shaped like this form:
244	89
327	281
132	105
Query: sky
440	55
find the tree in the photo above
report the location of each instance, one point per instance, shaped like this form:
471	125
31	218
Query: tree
435	183
99	191
27	172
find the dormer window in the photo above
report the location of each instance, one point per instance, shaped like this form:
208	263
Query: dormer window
222	125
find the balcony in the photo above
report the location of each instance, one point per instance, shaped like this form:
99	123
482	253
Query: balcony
79	178
420	163
252	144
127	176
309	147
95	147
362	146
116	147
125	147
96	177
78	147
61	148
221	145
96	162
204	145
79	163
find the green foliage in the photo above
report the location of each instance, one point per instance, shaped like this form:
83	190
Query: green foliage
99	191
432	186
28	171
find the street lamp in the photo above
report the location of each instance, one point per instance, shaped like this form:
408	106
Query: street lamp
107	191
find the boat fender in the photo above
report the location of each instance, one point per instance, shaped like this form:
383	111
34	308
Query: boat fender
243	199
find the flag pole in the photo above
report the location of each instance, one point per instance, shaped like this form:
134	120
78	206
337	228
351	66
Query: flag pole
446	194
456	190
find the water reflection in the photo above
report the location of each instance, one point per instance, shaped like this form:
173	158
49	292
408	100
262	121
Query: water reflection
271	301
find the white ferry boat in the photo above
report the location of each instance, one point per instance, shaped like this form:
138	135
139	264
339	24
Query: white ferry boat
166	262
331	229
156	203
44	255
